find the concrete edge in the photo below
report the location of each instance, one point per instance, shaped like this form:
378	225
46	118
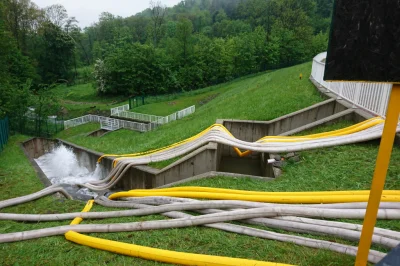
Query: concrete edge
212	174
105	133
344	102
85	149
359	111
39	173
319	122
190	155
221	121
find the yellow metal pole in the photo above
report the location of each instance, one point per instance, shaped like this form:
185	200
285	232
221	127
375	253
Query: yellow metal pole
378	181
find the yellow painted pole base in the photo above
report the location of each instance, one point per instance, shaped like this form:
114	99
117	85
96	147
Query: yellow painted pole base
378	181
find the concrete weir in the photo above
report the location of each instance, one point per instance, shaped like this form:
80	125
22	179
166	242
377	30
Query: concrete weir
212	159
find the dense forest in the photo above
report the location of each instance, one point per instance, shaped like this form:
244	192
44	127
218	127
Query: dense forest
191	45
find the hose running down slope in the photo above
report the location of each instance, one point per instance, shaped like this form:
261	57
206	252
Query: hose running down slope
296	224
278	216
364	131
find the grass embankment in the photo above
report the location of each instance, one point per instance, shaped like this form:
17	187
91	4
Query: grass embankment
338	168
262	97
82	99
167	105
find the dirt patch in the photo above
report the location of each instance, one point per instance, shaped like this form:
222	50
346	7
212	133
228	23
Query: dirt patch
207	99
172	103
80	103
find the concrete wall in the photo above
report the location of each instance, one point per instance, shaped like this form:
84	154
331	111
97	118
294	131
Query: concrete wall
251	131
36	147
200	161
88	158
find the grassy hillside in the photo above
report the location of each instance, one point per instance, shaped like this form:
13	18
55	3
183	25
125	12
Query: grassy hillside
336	168
82	99
262	97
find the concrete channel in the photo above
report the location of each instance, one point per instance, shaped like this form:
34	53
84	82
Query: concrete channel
211	158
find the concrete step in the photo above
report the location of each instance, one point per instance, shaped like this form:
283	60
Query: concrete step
330	119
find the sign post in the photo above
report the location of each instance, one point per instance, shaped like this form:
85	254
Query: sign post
364	46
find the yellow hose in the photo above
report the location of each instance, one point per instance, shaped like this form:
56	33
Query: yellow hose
248	192
162	255
155	254
259	198
340	132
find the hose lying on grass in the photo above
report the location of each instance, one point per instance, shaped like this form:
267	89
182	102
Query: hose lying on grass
184	222
386	238
364	131
160	254
270	211
44	192
256	214
160	200
265	193
373	257
135	202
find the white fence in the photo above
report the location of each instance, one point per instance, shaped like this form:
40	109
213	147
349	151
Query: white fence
119	109
372	97
81	120
107	123
160	120
138	116
114	124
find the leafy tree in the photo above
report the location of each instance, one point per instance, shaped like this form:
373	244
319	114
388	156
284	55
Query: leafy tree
58	50
158	13
56	14
184	39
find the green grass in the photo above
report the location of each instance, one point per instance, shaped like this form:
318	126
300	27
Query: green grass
182	101
82	99
82	93
262	97
337	168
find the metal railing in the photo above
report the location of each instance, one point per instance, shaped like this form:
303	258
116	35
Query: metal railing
119	109
114	124
157	120
138	116
186	112
82	120
372	97
4	132
107	123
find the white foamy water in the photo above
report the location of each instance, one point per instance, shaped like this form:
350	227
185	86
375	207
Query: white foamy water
61	166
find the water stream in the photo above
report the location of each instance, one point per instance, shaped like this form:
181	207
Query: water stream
61	166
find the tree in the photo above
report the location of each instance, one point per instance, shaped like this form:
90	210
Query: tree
57	56
158	13
183	36
56	14
22	18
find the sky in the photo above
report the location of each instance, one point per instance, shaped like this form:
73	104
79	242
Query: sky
88	11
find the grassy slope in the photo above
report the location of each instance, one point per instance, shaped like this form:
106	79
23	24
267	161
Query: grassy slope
262	97
197	98
82	99
346	167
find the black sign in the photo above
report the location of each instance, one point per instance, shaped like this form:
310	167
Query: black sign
364	43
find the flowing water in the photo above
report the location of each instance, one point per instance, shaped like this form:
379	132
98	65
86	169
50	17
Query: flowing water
61	166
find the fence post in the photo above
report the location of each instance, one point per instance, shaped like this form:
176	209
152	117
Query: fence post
340	91
384	101
2	137
356	95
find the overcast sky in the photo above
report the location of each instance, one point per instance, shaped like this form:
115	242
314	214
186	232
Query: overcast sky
88	11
